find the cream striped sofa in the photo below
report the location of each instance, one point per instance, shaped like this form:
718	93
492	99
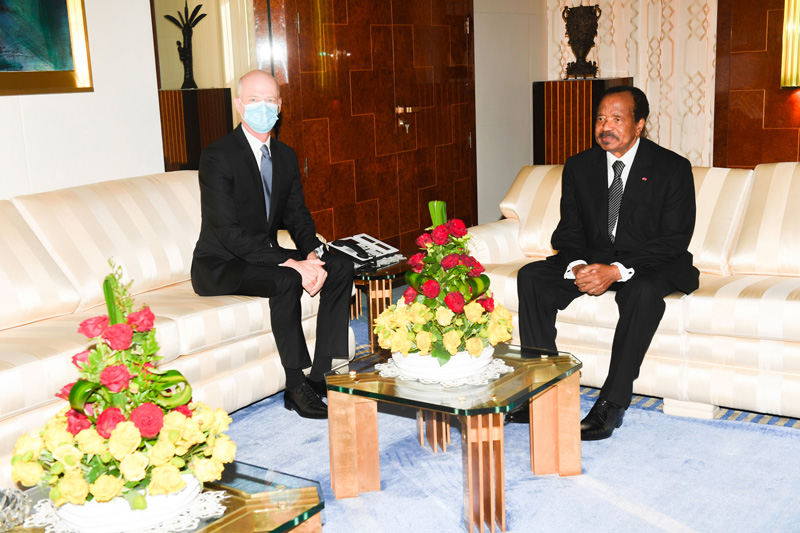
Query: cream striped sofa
735	342
56	247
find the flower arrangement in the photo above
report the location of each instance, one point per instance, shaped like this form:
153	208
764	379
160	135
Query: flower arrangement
129	427
447	307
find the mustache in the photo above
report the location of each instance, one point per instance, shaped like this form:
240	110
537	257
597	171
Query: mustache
607	135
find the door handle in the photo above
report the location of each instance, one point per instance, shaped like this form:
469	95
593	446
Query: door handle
401	122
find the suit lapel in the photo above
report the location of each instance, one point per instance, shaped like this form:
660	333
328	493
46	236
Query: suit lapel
253	174
637	185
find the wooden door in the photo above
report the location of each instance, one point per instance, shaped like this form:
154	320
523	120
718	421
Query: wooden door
346	69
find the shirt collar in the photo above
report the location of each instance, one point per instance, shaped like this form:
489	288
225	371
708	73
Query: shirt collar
626	158
255	144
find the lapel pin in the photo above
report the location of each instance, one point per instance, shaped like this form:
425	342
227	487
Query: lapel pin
644	179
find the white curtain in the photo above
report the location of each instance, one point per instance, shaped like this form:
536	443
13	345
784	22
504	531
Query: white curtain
669	48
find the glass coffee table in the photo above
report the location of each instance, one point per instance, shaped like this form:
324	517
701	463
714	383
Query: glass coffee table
549	379
259	500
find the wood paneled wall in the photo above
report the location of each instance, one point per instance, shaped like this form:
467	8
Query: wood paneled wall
563	116
352	63
755	121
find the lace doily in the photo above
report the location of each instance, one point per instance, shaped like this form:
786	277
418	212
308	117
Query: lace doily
490	372
206	505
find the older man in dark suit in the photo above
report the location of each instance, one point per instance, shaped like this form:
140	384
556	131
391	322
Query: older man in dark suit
250	187
627	217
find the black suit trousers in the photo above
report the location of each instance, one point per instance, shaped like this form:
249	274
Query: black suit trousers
284	288
543	291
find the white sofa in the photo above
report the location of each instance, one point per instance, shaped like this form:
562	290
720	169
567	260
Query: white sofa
56	247
735	342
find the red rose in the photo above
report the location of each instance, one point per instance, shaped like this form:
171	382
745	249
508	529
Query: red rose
430	288
149	418
108	420
416	262
80	359
115	377
456	228
487	303
449	261
409	295
441	235
64	392
455	301
77	422
476	269
93	327
118	336
142	320
184	409
424	239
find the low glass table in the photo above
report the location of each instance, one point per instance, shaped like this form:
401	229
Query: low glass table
259	500
549	379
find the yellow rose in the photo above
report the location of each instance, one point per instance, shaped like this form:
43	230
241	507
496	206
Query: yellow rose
134	466
474	346
224	449
473	311
385	341
400	342
401	317
162	452
418	313
125	438
106	488
501	313
451	341
203	415
424	341
28	473
28	443
192	434
165	479
55	437
72	489
498	333
174	420
221	420
59	421
68	455
90	442
444	316
385	319
207	469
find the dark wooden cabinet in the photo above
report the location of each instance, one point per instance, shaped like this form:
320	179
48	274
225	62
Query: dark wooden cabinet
563	116
190	120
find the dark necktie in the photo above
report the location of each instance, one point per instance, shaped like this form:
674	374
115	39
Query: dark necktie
266	175
614	197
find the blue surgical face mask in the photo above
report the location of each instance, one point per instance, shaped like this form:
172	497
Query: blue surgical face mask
261	116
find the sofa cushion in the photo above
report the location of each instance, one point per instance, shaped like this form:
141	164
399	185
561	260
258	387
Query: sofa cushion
148	224
769	243
721	195
204	322
746	306
36	359
33	287
534	199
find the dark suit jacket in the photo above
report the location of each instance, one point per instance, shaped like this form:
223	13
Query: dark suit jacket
235	230
656	217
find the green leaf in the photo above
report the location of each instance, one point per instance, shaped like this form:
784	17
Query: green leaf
438	210
440	354
119	399
80	393
478	285
110	288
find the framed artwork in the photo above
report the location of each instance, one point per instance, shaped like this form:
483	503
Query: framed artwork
44	47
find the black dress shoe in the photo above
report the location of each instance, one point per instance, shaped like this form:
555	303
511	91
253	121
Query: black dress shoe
320	387
305	401
601	421
519	415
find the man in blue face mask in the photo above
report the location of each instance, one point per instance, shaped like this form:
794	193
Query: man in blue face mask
250	187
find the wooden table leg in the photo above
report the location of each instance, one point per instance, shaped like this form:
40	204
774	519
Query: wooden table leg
555	429
353	437
433	427
379	297
484	474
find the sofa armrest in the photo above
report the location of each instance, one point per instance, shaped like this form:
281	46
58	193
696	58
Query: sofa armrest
285	240
496	242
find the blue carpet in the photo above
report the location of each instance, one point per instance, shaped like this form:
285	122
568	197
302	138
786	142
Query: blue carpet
657	473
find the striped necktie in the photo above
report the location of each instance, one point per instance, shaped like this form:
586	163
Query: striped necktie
614	197
266	175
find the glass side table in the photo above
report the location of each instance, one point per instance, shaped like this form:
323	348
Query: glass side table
550	380
259	500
